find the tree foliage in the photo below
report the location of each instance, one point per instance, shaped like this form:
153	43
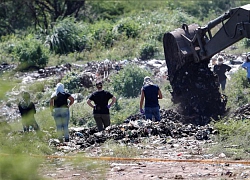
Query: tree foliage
45	12
117	30
15	15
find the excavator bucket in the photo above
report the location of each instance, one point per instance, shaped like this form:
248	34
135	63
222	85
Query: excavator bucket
177	48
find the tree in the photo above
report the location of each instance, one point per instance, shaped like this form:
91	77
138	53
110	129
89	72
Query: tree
16	15
13	15
45	12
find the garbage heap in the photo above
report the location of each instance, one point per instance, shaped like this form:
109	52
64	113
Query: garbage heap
135	128
242	113
196	92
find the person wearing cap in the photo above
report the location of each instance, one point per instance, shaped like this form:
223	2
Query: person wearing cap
101	106
151	93
60	102
27	110
220	69
246	65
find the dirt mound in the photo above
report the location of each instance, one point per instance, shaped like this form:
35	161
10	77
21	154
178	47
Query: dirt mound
196	91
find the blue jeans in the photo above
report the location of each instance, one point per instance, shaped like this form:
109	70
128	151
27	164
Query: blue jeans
151	112
61	116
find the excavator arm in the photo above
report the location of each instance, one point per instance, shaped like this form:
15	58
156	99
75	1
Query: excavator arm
193	43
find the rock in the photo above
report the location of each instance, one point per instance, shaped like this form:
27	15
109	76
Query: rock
222	155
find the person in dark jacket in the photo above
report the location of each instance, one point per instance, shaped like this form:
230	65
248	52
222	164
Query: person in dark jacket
27	110
101	106
60	103
151	93
220	69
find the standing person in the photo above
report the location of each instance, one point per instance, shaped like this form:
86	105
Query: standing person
246	65
220	69
151	93
28	111
59	105
101	106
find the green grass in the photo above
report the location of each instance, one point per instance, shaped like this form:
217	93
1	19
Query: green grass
14	167
238	90
232	139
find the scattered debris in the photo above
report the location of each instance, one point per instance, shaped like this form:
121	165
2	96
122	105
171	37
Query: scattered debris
242	112
135	128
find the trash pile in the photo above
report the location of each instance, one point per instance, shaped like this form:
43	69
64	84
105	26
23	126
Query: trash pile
54	70
242	112
196	91
135	128
6	67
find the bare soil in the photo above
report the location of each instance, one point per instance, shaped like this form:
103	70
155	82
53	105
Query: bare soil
157	170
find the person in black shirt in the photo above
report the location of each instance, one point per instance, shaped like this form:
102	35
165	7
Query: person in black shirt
59	105
28	111
151	93
101	107
220	69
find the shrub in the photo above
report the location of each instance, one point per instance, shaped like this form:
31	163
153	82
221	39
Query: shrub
71	82
129	27
147	51
64	37
237	90
102	34
31	53
246	42
128	81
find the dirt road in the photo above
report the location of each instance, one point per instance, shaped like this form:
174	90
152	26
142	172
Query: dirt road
150	167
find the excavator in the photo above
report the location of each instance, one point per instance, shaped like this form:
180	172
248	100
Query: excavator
198	42
192	45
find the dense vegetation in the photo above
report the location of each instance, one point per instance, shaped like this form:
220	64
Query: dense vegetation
41	33
47	32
